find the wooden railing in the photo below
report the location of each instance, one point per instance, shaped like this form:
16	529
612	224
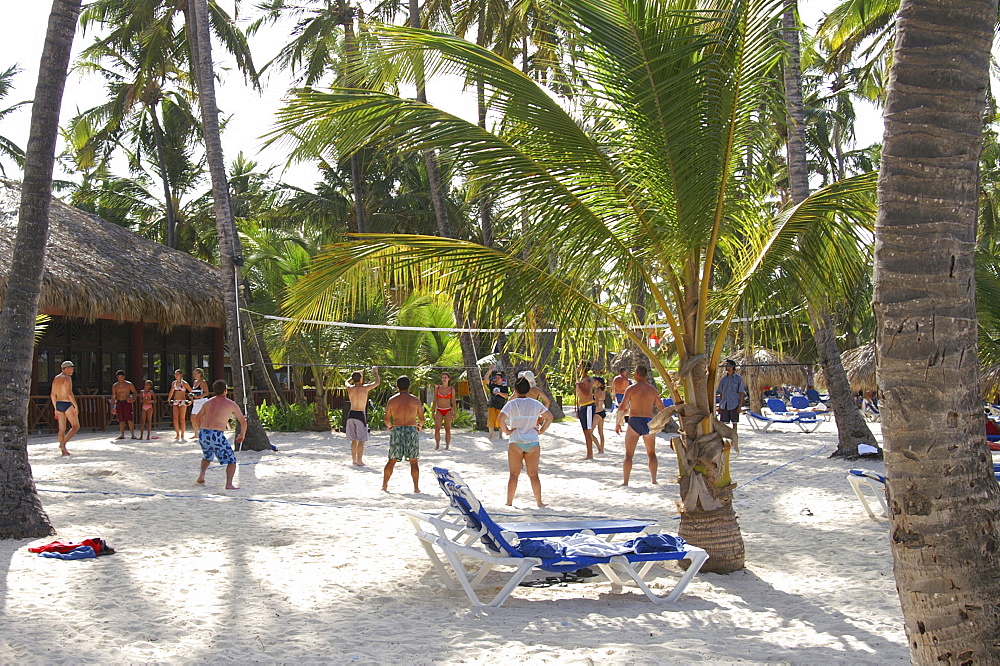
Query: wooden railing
97	413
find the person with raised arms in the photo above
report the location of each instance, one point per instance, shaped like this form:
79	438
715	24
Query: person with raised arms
215	416
356	424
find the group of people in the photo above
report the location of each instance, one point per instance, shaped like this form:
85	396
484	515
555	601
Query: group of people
210	415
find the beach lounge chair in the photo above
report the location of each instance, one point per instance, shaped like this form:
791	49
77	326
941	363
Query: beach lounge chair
812	395
862	477
802	403
499	549
870	411
807	422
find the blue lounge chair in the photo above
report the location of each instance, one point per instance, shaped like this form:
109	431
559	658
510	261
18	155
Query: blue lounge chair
802	403
863	477
812	395
870	411
499	549
807	422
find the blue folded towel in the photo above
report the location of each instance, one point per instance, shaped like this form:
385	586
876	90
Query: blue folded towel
81	553
544	548
656	543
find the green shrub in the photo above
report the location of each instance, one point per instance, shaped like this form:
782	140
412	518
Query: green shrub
291	418
336	419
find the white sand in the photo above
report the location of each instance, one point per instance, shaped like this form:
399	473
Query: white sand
323	568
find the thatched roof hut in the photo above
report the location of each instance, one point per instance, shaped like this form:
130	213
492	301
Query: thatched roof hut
859	364
761	367
98	270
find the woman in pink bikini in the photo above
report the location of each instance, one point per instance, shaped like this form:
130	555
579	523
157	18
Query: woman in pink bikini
445	404
147	397
178	399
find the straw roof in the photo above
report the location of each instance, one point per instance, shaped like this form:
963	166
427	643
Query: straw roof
766	367
859	364
95	269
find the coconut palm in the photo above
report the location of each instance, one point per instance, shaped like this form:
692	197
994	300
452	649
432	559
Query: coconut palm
230	258
944	502
645	188
21	513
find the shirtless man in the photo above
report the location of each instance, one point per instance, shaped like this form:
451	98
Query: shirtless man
356	425
583	394
618	386
445	404
404	417
215	415
65	406
641	401
122	400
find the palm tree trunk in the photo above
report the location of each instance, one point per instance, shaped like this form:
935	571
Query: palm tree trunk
708	519
943	499
851	427
168	196
229	248
470	357
434	180
357	177
21	512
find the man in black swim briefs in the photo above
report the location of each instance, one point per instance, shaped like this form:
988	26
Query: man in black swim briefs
640	402
65	406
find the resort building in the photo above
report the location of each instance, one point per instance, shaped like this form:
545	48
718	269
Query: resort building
116	301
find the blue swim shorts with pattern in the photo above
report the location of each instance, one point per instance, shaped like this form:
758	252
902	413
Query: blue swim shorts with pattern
215	445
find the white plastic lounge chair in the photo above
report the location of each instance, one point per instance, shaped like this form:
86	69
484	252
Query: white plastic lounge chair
862	477
498	550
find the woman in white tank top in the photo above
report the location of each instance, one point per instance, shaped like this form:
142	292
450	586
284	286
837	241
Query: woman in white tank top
523	419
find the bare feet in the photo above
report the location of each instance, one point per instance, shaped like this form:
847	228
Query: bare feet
384	489
623	485
63	450
416	490
588	458
122	437
200	480
134	437
447	446
656	483
508	504
437	446
231	487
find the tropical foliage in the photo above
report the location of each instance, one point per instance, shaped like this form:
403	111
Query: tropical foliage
643	190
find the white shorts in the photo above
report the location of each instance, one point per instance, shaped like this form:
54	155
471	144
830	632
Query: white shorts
198	404
356	430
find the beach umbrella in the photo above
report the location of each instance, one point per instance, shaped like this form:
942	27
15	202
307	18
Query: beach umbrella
761	367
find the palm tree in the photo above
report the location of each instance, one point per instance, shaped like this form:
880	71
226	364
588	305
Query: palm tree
851	427
645	188
21	513
7	147
230	259
944	502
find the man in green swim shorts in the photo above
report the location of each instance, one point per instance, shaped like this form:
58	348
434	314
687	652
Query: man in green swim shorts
404	416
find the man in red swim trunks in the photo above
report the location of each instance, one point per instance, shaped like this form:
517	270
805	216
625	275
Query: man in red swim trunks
123	396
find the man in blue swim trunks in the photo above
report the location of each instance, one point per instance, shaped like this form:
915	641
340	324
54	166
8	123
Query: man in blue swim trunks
404	417
641	401
215	415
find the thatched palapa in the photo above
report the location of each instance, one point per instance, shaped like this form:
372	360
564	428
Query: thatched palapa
859	364
98	270
761	367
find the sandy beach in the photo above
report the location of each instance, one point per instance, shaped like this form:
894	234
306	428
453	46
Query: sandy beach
310	562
